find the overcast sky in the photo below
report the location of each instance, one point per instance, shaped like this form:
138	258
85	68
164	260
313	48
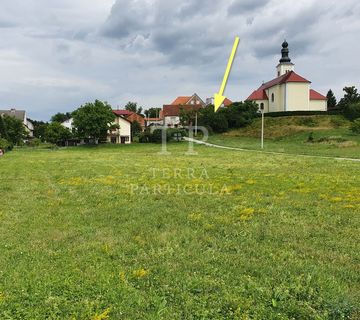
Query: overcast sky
56	55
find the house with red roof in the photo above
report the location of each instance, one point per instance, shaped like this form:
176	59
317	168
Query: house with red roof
227	102
171	112
131	116
288	91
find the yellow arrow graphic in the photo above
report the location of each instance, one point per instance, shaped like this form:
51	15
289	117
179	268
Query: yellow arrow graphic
219	97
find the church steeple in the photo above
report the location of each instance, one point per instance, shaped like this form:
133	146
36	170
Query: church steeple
285	65
285	53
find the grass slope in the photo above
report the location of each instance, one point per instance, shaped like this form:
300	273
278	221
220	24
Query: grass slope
281	241
332	136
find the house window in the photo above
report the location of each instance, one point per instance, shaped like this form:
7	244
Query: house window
262	106
272	97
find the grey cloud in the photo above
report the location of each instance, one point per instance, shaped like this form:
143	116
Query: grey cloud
61	53
180	31
246	6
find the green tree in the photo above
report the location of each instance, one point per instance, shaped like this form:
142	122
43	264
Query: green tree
351	96
15	129
352	111
217	121
188	117
39	129
3	129
135	129
61	117
55	133
93	120
133	107
355	126
152	112
241	114
331	100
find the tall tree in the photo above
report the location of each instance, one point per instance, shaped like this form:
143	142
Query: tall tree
93	120
3	129
331	100
135	129
55	133
351	96
39	129
152	112
133	107
61	117
15	129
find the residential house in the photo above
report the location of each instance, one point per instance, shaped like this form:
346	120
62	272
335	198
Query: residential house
227	102
171	113
131	116
288	91
68	124
122	135
21	115
118	136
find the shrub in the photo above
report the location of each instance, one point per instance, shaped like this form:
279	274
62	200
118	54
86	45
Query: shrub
355	126
301	113
5	145
310	137
352	111
338	122
34	142
156	136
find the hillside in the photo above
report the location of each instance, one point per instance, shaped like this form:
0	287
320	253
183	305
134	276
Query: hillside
314	135
287	126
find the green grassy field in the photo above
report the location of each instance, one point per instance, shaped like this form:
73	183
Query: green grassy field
332	136
125	233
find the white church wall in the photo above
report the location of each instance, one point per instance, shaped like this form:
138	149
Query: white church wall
275	104
298	96
318	105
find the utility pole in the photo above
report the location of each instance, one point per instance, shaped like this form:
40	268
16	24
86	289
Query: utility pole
262	125
196	124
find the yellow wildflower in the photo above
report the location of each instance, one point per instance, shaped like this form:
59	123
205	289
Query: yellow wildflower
122	276
141	273
102	316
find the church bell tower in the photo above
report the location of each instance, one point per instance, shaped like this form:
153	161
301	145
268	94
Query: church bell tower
285	64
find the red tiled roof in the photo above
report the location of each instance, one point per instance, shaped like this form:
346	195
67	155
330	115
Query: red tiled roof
123	112
314	95
291	76
174	110
227	102
181	100
259	94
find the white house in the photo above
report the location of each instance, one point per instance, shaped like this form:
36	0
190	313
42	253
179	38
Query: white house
21	115
288	91
122	135
118	136
68	124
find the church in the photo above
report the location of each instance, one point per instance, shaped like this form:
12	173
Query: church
288	91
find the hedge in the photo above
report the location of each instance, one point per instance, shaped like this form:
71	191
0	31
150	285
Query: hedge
302	113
